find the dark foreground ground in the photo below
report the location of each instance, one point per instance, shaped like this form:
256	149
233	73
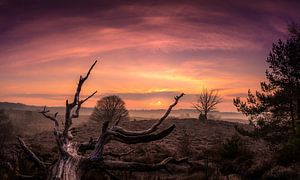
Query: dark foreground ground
206	144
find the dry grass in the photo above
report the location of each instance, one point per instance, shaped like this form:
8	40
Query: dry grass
197	140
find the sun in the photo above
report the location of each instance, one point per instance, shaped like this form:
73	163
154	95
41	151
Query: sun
158	103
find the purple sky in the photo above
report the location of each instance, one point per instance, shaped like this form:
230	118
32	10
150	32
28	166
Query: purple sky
148	50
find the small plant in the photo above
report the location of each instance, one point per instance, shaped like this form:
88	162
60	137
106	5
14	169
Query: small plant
232	148
184	145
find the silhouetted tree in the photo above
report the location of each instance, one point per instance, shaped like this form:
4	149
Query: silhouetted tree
110	108
274	107
206	102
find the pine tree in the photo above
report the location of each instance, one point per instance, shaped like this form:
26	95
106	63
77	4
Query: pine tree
275	106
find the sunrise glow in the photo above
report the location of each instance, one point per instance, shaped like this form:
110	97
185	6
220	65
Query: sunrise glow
147	53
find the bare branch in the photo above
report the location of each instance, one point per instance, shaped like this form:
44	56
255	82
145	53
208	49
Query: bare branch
57	133
31	154
76	102
197	107
102	140
140	138
112	154
142	167
76	114
15	171
83	147
81	102
129	137
153	127
118	121
108	135
80	83
52	118
7	166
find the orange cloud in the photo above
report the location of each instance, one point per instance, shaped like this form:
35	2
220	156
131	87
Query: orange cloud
152	50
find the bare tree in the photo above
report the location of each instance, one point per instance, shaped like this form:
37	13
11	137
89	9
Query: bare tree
71	164
206	102
110	108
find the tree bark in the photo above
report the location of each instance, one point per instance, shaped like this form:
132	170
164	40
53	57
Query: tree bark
66	169
205	115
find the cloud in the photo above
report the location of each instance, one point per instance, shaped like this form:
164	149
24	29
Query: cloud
129	96
143	45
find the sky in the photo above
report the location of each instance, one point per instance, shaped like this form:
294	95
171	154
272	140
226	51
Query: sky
147	51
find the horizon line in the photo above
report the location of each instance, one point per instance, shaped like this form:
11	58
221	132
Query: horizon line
128	109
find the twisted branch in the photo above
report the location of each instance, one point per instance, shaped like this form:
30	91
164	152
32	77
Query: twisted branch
140	138
76	102
129	137
52	118
31	154
112	154
153	127
57	132
141	167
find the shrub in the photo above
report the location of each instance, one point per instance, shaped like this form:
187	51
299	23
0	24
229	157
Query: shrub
290	152
280	173
233	148
184	145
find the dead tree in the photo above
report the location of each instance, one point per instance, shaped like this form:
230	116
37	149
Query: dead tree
206	102
71	164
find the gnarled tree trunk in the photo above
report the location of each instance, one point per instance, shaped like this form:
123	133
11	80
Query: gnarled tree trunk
66	169
72	164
